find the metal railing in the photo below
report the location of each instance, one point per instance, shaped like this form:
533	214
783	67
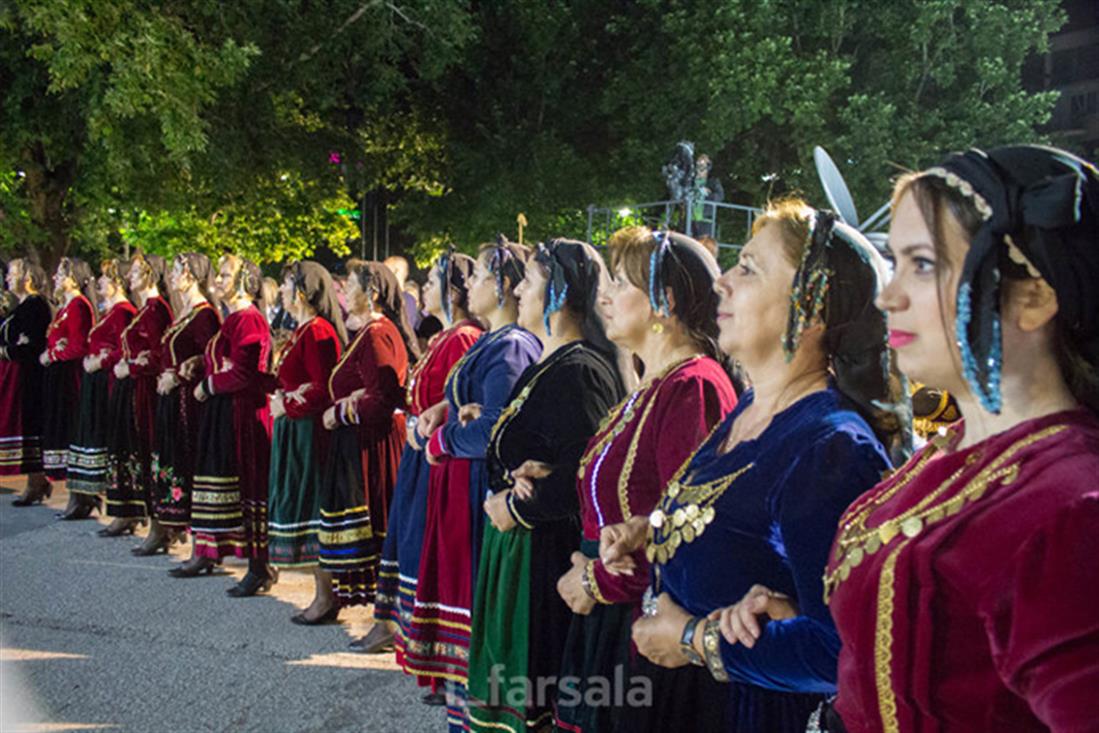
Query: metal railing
730	225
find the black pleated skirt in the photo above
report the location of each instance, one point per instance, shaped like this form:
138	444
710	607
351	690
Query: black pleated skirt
87	470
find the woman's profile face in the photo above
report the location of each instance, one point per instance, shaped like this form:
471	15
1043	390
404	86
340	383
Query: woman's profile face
179	279
138	274
14	277
432	293
223	281
106	287
531	293
482	288
915	311
627	313
755	298
62	281
287	293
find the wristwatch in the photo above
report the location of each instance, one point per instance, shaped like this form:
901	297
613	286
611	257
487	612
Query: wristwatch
686	642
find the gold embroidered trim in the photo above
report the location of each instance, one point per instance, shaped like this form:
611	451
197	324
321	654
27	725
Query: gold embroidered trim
513	408
851	550
883	644
177	328
631	456
456	370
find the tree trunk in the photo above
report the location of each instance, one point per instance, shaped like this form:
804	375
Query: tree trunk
48	185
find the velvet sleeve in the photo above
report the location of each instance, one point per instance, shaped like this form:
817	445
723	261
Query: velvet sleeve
505	365
151	332
685	412
450	351
76	334
322	351
206	328
245	353
381	383
581	397
32	322
113	352
1042	622
800	654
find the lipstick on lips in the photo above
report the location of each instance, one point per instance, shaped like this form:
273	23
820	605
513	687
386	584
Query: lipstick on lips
897	339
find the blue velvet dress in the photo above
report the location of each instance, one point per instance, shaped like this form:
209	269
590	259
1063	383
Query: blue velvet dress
438	643
773	526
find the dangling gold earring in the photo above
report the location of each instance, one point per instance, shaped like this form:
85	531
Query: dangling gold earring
658	327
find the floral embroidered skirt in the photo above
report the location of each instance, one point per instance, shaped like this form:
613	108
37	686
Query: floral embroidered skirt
177	426
128	454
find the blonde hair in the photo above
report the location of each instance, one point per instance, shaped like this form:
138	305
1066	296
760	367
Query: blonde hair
794	217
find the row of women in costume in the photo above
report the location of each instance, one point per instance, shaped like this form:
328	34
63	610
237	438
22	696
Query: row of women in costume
592	497
168	417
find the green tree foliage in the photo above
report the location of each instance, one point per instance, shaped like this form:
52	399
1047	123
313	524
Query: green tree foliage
172	123
574	103
187	110
287	219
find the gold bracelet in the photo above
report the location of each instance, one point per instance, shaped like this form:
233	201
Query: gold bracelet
591	585
711	647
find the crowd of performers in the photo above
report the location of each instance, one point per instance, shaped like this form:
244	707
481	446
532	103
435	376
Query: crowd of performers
627	466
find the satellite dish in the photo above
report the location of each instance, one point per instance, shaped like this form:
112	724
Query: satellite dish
834	188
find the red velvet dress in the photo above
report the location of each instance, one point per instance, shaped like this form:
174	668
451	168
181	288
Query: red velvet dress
66	346
22	338
637	450
229	499
965	588
87	470
299	444
397	577
177	417
132	412
361	469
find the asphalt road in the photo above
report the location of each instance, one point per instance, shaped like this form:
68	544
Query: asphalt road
92	638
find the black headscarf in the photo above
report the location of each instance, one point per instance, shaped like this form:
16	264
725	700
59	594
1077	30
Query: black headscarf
454	270
374	277
1041	206
508	264
840	276
574	272
314	282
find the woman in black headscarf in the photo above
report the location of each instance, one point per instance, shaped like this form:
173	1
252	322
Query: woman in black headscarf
299	444
366	392
970	574
519	621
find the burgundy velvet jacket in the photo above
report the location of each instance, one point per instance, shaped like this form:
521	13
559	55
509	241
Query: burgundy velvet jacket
965	588
375	366
105	338
307	361
67	336
639	447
